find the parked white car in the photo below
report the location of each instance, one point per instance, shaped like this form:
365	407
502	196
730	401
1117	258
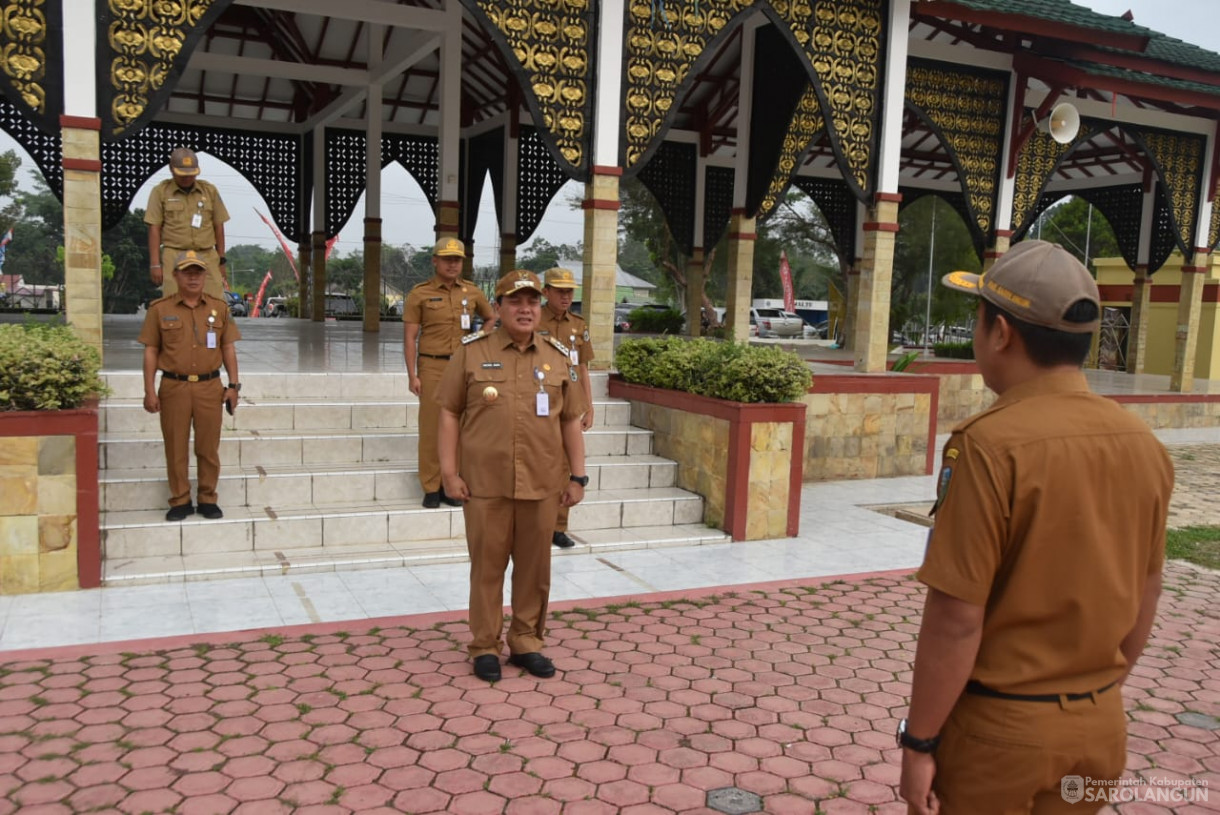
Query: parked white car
775	322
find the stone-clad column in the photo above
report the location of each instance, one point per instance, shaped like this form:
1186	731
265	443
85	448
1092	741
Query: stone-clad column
372	274
742	238
1137	334
1190	307
876	273
1000	243
601	207
508	253
447	215
83	226
694	293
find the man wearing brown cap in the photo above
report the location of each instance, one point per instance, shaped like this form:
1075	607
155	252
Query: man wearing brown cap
511	404
189	336
558	321
185	213
1044	566
437	314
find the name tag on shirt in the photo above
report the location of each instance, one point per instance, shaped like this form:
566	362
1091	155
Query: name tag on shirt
542	404
211	339
197	220
466	322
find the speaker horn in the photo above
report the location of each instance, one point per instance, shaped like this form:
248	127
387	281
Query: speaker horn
1062	124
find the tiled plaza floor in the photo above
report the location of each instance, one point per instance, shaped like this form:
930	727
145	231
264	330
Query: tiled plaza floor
790	691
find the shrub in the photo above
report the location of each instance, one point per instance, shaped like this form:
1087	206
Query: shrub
45	366
722	370
656	321
954	350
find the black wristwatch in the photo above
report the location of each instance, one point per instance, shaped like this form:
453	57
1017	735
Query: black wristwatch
582	480
908	741
235	386
223	260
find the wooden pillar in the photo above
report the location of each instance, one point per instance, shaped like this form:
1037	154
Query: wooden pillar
372	274
601	207
318	300
872	327
508	252
305	272
1141	313
83	226
1186	338
694	293
741	275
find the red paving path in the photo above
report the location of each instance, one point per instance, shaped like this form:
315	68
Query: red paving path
791	691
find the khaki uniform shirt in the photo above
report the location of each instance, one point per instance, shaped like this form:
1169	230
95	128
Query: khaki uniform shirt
1050	513
437	308
174	210
181	333
570	329
506	449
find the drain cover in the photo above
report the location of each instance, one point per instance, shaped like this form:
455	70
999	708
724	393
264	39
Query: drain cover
733	801
1199	720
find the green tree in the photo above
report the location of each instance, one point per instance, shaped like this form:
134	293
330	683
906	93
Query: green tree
38	231
541	254
125	245
914	252
1080	228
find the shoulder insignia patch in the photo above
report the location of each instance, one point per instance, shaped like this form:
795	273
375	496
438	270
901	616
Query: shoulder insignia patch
469	338
417	285
563	349
951	454
586	335
942	487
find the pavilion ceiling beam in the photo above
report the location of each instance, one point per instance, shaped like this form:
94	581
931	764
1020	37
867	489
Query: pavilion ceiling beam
363	11
1024	24
277	69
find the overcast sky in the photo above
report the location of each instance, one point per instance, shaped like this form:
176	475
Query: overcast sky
407	218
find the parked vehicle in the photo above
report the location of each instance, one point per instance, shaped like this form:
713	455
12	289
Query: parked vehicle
275	307
720	312
775	322
237	305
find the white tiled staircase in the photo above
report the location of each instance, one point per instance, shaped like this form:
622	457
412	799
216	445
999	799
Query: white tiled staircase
319	473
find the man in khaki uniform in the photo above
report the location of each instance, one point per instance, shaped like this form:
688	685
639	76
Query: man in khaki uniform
513	402
1044	566
437	314
188	336
559	286
186	213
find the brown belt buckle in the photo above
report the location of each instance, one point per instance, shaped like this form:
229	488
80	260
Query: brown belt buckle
193	378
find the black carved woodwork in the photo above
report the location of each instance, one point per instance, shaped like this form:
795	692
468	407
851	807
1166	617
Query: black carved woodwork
483	154
32	79
1123	207
779	82
271	162
956	201
43	145
346	164
670	177
838	206
539	178
717	204
1163	239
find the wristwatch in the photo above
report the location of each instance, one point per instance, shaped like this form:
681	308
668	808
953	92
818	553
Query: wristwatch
235	386
582	480
908	741
223	260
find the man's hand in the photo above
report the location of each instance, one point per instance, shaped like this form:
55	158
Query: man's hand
572	495
455	487
918	770
152	403
231	396
586	421
154	274
414	385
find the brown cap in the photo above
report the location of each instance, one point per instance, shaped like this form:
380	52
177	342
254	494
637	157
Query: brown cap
189	260
559	278
183	161
1036	282
449	248
516	281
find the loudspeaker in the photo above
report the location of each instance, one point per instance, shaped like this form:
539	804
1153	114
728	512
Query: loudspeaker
1063	123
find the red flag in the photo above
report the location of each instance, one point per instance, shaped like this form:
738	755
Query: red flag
283	244
258	298
785	277
330	245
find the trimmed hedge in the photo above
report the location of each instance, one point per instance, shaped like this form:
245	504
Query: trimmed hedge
656	321
721	370
953	350
45	366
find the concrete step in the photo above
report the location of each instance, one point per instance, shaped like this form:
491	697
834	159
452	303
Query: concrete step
282	488
323	448
146	534
304	560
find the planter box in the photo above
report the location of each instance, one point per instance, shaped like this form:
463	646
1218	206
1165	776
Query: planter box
49	501
745	460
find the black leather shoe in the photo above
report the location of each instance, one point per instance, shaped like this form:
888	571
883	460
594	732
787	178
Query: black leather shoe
180	512
487	668
535	663
210	511
432	500
562	540
445	499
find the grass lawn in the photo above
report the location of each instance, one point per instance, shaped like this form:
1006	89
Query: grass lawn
1198	544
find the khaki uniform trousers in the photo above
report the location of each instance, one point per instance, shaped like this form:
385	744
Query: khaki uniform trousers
1004	757
184	404
497	530
211	284
561	520
430	372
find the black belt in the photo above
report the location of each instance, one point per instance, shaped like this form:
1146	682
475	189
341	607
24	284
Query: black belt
191	377
435	356
977	688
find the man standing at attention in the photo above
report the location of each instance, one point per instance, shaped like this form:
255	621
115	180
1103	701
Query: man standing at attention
558	321
1044	566
188	336
186	213
438	313
512	401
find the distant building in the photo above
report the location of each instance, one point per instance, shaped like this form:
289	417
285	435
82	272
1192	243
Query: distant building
627	287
